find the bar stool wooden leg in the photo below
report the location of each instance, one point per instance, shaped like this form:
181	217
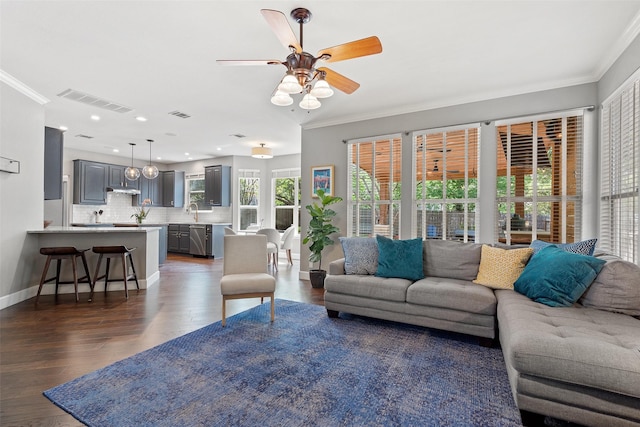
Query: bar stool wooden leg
124	275
133	269
59	262
106	274
95	277
44	277
74	265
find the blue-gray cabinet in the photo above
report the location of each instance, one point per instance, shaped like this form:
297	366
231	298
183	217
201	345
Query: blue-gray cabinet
150	189
90	182
53	145
217	185
118	180
172	189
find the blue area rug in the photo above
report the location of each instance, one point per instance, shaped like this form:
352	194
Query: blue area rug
303	370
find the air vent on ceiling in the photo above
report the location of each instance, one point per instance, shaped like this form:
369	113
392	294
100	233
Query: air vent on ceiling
94	101
238	135
80	135
180	114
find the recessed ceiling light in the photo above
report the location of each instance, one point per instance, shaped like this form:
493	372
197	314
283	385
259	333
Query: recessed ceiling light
141	119
63	128
158	158
95	117
115	150
186	154
219	149
190	158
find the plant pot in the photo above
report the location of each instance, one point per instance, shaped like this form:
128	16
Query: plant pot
317	278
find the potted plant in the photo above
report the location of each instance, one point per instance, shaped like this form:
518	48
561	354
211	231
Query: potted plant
320	228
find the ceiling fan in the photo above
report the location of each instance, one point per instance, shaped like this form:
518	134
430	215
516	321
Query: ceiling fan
302	75
437	169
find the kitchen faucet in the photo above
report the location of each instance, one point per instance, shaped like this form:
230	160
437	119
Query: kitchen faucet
196	215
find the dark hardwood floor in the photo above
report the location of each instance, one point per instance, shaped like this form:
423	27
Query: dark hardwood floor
57	341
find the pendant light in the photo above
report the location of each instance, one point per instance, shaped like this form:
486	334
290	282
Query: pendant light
132	173
150	171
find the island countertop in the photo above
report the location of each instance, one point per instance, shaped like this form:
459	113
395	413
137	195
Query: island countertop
91	230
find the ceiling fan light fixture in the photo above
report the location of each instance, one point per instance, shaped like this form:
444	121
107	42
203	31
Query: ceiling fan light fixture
310	102
290	84
261	152
281	98
321	89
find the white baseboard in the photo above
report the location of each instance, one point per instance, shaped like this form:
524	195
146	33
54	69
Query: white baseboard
304	275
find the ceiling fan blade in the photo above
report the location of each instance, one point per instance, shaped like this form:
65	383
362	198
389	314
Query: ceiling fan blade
279	24
249	62
363	47
339	81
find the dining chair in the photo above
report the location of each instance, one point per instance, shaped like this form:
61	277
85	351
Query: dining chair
287	242
244	274
273	244
228	231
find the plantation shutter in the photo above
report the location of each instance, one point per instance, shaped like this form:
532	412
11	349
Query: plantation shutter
538	185
373	203
620	173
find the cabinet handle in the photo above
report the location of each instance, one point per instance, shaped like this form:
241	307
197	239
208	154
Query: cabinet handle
172	203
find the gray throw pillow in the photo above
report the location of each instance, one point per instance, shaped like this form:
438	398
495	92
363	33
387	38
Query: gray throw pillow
616	288
360	255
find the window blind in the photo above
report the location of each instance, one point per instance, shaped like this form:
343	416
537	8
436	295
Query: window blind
620	172
538	184
373	203
446	183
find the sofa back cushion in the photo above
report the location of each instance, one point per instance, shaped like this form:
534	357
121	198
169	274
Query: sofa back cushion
360	255
616	288
452	259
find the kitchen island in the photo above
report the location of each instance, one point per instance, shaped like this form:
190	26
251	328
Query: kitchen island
145	257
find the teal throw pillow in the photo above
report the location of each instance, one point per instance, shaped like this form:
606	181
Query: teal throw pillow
556	277
586	247
400	258
360	255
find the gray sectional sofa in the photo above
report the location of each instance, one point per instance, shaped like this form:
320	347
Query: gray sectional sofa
578	363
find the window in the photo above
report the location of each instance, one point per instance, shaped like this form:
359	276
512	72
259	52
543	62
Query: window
373	204
620	172
195	191
287	195
249	198
446	183
538	184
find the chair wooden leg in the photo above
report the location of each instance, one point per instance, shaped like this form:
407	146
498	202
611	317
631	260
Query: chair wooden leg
133	269
273	309
43	278
289	256
224	311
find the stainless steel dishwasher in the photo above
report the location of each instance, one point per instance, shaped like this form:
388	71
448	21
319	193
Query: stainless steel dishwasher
200	240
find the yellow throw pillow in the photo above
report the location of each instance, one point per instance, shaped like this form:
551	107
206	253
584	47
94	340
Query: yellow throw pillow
500	268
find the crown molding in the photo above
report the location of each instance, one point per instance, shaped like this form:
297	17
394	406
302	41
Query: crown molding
22	88
623	42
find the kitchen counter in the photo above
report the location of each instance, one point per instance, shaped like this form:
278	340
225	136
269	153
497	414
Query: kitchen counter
145	239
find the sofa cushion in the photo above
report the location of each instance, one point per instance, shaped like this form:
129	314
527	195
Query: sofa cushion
360	255
500	268
575	345
390	289
616	288
557	278
586	247
452	259
461	295
399	258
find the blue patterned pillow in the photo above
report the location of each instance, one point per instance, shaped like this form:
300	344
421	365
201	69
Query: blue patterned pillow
586	247
360	255
400	258
556	277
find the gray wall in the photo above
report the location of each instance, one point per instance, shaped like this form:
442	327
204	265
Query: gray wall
22	195
620	71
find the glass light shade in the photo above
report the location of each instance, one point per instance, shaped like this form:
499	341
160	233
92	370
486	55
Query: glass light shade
290	84
321	89
131	173
150	171
261	152
281	98
310	102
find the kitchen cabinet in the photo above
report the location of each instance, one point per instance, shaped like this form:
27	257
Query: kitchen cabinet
117	178
53	145
149	189
178	238
217	185
90	182
173	189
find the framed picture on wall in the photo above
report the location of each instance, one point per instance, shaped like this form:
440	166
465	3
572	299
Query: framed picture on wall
322	179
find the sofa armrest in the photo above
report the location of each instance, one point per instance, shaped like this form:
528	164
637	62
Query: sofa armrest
337	267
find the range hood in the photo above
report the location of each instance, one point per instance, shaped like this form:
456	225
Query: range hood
123	190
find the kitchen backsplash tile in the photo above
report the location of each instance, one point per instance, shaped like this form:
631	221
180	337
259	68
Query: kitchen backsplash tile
118	210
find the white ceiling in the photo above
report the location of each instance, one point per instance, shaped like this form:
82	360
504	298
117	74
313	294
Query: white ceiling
160	56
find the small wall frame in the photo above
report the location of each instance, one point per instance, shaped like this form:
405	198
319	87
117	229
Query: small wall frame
322	179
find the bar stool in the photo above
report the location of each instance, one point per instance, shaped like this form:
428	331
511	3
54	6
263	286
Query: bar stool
109	252
59	253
